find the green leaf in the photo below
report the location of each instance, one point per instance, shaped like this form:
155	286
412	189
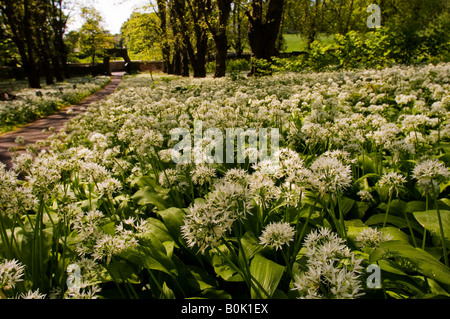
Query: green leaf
213	293
378	219
268	274
146	196
359	209
367	163
199	279
147	181
167	292
429	220
173	218
415	206
222	268
422	261
250	244
396	234
156	228
151	254
347	205
122	272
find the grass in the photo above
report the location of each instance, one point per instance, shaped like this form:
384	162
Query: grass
297	42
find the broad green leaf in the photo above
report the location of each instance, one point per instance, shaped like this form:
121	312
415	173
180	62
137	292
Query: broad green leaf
367	163
250	244
151	254
347	205
268	274
359	209
212	293
415	206
429	220
354	223
378	219
146	196
446	201
397	207
353	231
436	289
147	181
396	234
121	272
422	261
167	292
223	268
156	228
199	279
173	218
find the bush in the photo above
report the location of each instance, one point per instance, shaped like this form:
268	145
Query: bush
376	49
238	65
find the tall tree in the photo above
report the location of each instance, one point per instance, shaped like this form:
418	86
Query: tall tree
217	15
239	26
141	35
162	11
18	17
42	41
93	38
193	31
265	21
58	22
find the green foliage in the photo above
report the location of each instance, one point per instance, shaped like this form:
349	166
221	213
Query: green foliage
93	38
263	67
141	34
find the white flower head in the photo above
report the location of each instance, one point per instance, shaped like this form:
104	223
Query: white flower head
429	173
11	272
393	181
329	175
332	269
203	174
32	295
205	225
277	235
371	237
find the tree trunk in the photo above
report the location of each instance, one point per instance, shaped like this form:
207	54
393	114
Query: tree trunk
176	62
221	56
162	13
19	19
31	67
45	60
220	36
185	63
57	68
264	29
197	56
58	22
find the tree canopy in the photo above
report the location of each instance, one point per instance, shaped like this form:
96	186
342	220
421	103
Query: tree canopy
189	34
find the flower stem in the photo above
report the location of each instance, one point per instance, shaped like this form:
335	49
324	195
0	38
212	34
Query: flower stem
441	228
387	210
424	230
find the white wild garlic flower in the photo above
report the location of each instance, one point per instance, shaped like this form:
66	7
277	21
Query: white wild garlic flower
332	271
11	272
371	237
429	173
277	235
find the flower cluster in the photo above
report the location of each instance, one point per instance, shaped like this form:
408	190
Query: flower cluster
106	188
333	270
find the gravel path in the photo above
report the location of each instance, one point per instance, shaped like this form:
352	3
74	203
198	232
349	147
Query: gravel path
33	132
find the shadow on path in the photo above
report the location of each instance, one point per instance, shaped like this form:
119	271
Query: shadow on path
33	132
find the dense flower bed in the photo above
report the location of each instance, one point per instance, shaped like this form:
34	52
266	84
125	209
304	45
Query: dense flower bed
361	184
30	104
